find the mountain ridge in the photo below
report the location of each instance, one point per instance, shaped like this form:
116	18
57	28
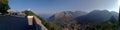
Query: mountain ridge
71	19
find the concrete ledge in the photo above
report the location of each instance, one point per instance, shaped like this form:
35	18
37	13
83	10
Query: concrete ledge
30	20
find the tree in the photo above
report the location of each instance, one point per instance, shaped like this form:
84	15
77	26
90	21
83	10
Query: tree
4	6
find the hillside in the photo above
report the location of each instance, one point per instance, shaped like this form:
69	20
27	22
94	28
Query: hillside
81	21
95	16
47	24
65	19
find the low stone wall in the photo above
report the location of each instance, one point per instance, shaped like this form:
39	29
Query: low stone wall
34	21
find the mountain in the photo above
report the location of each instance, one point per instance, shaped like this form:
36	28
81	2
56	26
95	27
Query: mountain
96	16
85	21
65	18
67	15
115	14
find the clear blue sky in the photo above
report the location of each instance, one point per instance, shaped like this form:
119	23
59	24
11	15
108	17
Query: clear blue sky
53	6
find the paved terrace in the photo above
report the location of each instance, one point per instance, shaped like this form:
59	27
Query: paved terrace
20	23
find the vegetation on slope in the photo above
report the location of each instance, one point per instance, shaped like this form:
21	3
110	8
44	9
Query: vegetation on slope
107	25
97	20
47	24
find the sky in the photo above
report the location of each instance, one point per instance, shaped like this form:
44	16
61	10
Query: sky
54	6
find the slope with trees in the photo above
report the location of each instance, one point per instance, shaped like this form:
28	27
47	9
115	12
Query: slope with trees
48	25
95	20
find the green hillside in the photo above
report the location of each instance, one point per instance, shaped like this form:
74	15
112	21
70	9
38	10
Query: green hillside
48	25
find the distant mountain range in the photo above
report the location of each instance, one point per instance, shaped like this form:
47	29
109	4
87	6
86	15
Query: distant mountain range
96	16
67	15
73	19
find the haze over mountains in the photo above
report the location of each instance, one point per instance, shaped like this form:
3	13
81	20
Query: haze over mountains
96	16
81	16
67	14
71	20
